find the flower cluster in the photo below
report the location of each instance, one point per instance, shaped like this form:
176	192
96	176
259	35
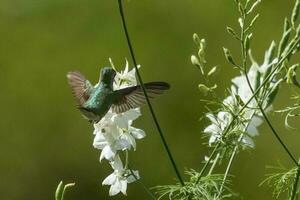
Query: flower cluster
240	94
114	133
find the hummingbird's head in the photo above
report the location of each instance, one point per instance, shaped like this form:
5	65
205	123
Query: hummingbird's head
107	75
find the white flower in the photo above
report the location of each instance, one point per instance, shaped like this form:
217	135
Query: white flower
252	126
119	179
219	124
123	119
114	133
107	137
240	90
125	78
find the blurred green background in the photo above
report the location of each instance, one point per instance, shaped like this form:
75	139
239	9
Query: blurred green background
43	137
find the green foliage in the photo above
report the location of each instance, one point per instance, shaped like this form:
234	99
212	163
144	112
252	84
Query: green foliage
291	111
281	181
61	189
206	189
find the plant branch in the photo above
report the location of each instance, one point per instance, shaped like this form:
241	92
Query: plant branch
269	122
207	163
146	95
265	81
142	184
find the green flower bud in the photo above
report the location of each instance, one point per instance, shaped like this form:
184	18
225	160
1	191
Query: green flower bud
295	13
292	75
232	32
195	61
228	56
201	54
212	71
273	92
203	89
253	6
196	39
247	42
203	44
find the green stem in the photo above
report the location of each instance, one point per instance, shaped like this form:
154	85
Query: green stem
142	184
265	81
146	95
268	121
244	66
233	156
228	168
127	167
214	164
207	163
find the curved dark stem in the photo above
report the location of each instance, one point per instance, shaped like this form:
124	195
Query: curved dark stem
142	184
145	93
270	124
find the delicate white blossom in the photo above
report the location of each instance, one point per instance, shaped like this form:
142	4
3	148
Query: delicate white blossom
240	94
114	133
125	78
119	179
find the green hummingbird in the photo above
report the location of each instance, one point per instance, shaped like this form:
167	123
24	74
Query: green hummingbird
95	101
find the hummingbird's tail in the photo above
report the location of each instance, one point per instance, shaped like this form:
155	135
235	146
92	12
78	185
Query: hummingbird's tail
157	87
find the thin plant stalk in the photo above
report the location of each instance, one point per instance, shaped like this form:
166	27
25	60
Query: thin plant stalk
244	66
214	163
135	177
207	163
146	95
244	56
142	184
232	157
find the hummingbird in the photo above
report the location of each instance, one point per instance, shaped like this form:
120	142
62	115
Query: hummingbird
95	101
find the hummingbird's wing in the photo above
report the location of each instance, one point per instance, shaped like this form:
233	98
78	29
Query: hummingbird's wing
81	88
133	97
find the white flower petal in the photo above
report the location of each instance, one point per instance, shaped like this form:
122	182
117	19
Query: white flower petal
111	179
131	178
212	129
137	133
123	186
99	141
133	114
115	188
122	144
248	141
252	131
213	138
211	117
108	153
117	164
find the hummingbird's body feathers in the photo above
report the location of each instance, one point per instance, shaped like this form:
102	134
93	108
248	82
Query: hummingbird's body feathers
81	88
100	101
133	97
95	101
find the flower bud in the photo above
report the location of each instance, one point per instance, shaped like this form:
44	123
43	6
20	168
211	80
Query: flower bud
203	89
228	56
212	71
195	61
196	39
